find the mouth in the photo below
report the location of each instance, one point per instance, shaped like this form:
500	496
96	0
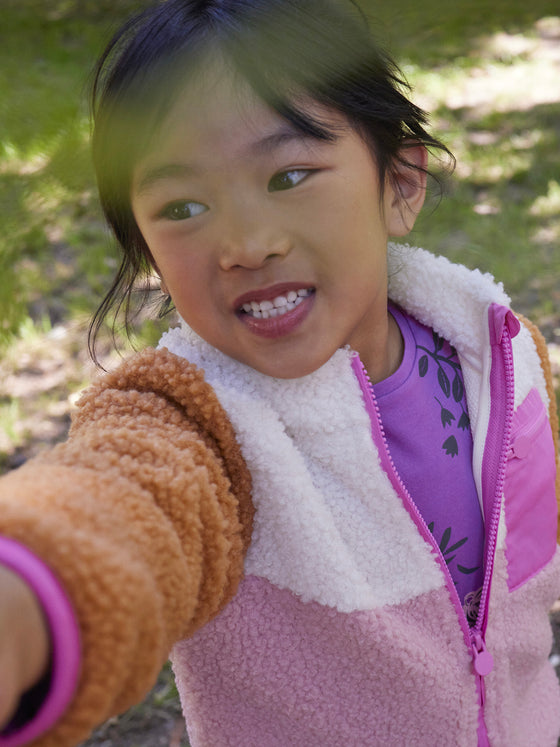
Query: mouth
277	311
277	305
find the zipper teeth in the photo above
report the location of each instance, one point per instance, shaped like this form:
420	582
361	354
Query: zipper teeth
501	468
418	516
476	633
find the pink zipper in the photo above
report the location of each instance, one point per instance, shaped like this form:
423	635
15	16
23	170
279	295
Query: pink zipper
503	327
388	465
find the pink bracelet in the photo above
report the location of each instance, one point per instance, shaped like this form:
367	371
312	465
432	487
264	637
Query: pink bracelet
64	633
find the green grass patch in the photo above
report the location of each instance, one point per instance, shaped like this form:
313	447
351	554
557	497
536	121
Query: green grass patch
54	251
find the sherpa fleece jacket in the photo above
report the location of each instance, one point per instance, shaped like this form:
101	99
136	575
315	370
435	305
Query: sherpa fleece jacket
331	619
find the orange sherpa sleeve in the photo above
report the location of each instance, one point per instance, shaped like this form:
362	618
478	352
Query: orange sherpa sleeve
144	514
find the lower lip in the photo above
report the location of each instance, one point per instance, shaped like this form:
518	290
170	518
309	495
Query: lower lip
279	326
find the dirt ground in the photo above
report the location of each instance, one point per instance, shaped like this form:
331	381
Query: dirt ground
157	722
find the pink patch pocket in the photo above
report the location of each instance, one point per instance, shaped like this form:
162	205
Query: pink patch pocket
529	493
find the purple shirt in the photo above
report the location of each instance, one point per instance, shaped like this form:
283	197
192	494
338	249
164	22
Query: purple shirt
426	423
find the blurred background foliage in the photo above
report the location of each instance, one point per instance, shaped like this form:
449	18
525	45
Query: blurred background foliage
489	74
487	70
55	257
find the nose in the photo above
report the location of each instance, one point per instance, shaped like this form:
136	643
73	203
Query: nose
250	237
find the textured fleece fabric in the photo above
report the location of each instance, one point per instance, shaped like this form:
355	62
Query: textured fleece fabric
342	631
144	515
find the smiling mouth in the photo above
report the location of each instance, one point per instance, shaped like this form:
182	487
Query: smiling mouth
277	306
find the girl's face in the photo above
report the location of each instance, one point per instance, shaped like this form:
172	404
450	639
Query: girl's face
272	244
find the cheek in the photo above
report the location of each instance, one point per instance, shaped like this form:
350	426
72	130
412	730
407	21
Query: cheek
190	283
183	275
174	255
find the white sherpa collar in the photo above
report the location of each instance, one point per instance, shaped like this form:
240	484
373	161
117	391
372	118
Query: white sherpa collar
327	524
448	297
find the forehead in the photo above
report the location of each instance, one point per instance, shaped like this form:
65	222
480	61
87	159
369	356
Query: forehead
219	111
215	108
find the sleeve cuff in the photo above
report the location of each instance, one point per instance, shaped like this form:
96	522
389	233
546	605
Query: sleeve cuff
65	640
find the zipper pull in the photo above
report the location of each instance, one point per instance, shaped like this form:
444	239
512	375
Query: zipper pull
483	661
503	318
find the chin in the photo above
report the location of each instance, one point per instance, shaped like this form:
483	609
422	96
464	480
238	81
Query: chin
289	370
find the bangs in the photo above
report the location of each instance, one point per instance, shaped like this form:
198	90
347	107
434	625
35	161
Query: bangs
285	51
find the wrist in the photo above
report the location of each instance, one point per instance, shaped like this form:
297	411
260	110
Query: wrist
27	629
64	641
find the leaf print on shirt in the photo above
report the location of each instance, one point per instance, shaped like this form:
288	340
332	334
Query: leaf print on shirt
450	381
451	446
444	383
446	549
464	421
446	415
458	388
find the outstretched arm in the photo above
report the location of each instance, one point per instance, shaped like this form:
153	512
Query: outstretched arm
144	515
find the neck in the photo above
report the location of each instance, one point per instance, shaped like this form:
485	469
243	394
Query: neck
385	360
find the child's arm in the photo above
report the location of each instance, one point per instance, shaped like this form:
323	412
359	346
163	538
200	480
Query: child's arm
144	515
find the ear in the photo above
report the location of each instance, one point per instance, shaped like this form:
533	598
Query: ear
406	190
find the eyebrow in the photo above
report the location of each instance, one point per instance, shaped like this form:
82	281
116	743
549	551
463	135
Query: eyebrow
263	146
163	172
283	134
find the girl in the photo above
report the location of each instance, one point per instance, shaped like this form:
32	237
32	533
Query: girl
336	511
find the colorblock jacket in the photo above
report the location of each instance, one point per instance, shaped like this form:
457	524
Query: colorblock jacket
257	529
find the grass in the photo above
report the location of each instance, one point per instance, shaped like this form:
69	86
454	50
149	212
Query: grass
55	255
501	213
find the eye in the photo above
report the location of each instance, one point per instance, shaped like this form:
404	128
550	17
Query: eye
287	179
182	209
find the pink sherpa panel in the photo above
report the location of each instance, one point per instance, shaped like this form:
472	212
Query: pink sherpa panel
530	505
522	693
272	671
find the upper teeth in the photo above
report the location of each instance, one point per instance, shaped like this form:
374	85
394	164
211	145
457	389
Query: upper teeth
278	306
